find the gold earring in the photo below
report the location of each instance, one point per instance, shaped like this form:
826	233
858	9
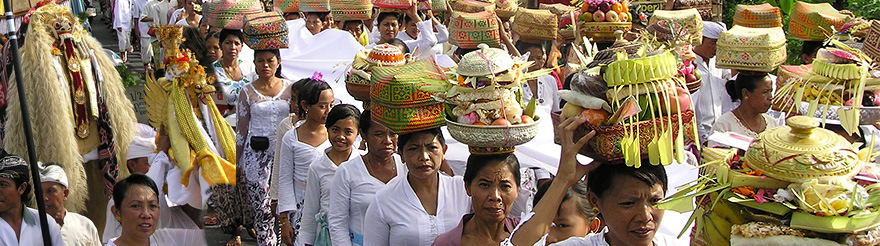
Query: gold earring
747	98
595	210
118	219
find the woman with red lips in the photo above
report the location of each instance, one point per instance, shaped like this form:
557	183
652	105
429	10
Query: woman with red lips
136	207
299	148
754	92
357	181
342	131
261	106
415	209
492	181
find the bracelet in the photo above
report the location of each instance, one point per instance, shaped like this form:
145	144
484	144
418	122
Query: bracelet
283	222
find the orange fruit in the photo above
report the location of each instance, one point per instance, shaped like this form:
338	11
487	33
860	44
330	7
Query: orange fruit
479	123
585	7
617	7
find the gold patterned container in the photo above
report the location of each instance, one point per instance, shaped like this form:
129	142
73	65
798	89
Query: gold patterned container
802	151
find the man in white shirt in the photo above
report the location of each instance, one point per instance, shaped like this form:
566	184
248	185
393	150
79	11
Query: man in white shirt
20	225
150	17
122	25
137	10
711	100
76	230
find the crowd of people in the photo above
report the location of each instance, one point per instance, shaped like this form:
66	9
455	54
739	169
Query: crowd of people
311	169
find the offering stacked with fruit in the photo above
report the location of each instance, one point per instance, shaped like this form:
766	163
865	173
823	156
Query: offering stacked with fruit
839	76
478	94
598	19
605	11
639	97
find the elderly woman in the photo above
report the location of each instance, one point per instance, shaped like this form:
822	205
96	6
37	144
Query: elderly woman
342	131
231	72
261	106
299	148
416	209
20	225
492	181
754	92
357	181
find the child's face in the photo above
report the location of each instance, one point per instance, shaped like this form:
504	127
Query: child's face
356	29
314	24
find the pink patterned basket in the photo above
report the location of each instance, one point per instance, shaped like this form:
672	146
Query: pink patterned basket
229	14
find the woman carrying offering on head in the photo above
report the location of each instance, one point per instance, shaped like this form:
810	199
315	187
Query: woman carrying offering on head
415	209
230	71
357	181
261	106
492	181
754	92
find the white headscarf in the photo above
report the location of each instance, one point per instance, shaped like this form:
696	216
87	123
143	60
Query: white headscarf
713	29
53	173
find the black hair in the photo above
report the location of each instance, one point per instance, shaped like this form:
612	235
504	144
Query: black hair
195	43
311	93
407	19
577	191
810	48
277	54
21	176
295	88
125	184
349	22
399	43
384	15
321	15
743	81
476	163
404	138
461	51
366	122
523	46
226	33
601	179
213	34
341	112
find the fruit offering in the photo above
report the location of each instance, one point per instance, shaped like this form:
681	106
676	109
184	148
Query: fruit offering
486	89
605	11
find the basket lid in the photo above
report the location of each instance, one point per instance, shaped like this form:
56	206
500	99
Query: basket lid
740	36
265	31
763	15
484	61
386	55
802	151
230	14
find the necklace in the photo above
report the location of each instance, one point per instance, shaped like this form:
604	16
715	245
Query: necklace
231	70
367	162
746	123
